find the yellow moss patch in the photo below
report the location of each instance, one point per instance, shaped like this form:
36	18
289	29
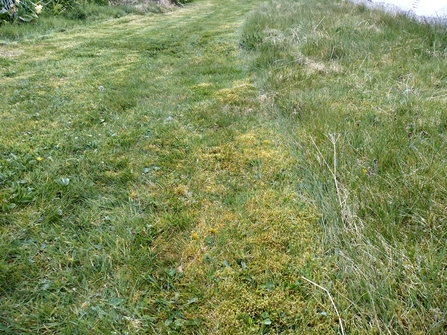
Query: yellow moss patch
246	257
235	95
181	190
204	88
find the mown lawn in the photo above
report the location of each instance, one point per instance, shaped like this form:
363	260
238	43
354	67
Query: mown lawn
142	190
186	172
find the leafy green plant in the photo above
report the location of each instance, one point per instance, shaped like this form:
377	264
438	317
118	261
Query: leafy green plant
20	11
17	194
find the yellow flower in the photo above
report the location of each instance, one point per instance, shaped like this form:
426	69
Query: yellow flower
38	9
195	236
39	159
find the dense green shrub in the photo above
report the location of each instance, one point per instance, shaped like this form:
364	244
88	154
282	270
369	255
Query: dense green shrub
19	11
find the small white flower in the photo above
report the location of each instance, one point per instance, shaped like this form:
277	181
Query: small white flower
38	9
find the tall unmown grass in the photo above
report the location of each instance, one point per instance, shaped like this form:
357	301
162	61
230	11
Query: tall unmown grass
362	96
